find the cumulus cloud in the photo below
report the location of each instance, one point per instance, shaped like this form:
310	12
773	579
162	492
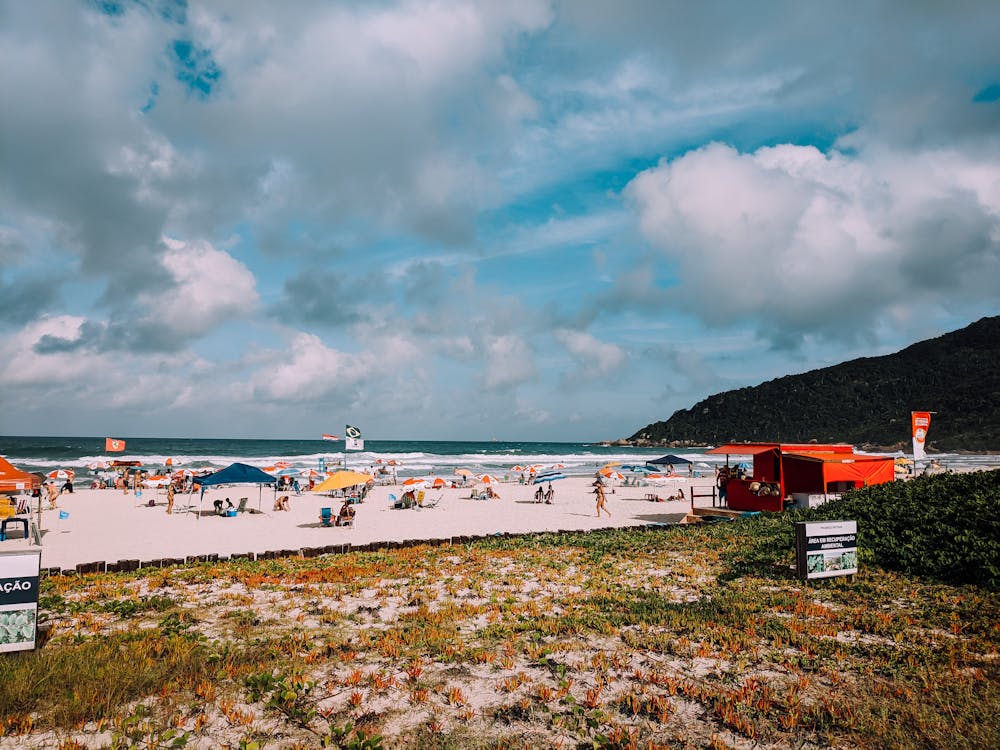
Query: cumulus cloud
509	362
796	240
209	286
594	358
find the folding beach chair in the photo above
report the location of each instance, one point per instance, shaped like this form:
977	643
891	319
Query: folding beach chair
326	516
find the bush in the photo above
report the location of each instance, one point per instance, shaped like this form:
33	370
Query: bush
943	527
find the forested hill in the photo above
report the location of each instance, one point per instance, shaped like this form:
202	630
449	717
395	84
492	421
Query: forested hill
866	401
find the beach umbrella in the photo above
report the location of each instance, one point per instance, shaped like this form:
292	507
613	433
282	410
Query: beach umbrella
547	476
462	472
414	481
439	482
97	465
558	466
61	474
281	464
488	479
518	468
612	474
172	462
311	474
609	464
183	474
343	479
156	481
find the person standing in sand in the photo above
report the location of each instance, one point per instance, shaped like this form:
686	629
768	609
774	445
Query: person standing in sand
53	494
601	501
170	498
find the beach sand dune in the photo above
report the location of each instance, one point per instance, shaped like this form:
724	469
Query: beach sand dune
107	525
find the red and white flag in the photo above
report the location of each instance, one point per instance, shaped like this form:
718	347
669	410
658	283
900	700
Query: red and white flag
921	424
114	445
328	436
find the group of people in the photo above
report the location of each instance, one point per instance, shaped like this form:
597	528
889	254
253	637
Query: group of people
547	495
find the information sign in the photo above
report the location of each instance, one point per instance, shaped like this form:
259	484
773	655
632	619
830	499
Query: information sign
19	573
826	548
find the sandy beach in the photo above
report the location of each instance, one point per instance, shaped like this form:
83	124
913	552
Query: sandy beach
109	526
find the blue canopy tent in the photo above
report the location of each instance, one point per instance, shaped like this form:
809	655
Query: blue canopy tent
236	474
669	460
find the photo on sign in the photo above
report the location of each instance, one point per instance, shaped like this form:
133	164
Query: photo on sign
825	562
17	626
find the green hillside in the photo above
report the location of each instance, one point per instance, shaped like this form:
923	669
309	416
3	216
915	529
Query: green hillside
865	401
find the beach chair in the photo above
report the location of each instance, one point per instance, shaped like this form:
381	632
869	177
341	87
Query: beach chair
13	520
326	516
431	502
393	501
242	506
420	498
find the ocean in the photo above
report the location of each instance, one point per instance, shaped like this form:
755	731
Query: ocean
413	457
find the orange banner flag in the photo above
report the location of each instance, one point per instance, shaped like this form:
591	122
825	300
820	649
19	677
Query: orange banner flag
114	445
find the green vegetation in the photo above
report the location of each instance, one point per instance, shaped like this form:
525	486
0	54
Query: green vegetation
865	401
681	637
944	527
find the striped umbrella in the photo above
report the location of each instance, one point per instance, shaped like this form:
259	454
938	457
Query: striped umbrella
61	474
488	479
547	476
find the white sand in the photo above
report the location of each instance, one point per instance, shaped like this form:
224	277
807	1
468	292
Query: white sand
105	525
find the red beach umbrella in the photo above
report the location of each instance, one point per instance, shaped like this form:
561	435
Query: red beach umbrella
62	474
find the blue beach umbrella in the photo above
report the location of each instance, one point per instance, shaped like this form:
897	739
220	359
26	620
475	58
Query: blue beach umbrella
547	476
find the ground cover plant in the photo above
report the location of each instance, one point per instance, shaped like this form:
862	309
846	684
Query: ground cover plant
683	637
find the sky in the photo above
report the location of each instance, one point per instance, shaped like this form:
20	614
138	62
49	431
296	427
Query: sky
521	220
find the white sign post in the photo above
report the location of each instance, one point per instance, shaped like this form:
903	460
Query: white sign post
19	573
826	548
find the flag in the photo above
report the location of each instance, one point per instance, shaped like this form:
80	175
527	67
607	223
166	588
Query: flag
921	424
353	441
328	436
114	445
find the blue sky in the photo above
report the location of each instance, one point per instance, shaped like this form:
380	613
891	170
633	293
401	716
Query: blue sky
529	220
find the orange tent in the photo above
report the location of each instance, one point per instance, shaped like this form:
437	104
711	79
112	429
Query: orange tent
13	479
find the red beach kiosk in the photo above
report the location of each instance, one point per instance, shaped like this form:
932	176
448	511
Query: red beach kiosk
784	473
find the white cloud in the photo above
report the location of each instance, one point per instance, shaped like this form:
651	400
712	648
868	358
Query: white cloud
211	286
509	362
797	240
595	358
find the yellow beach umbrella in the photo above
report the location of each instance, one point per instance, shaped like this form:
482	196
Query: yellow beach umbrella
343	479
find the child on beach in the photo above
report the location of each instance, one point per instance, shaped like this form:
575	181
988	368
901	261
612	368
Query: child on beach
281	503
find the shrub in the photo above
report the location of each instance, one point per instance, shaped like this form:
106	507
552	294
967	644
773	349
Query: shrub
944	527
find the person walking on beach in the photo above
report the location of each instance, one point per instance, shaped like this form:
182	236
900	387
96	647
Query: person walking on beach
601	501
170	498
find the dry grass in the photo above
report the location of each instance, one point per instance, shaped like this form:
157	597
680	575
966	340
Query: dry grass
689	637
